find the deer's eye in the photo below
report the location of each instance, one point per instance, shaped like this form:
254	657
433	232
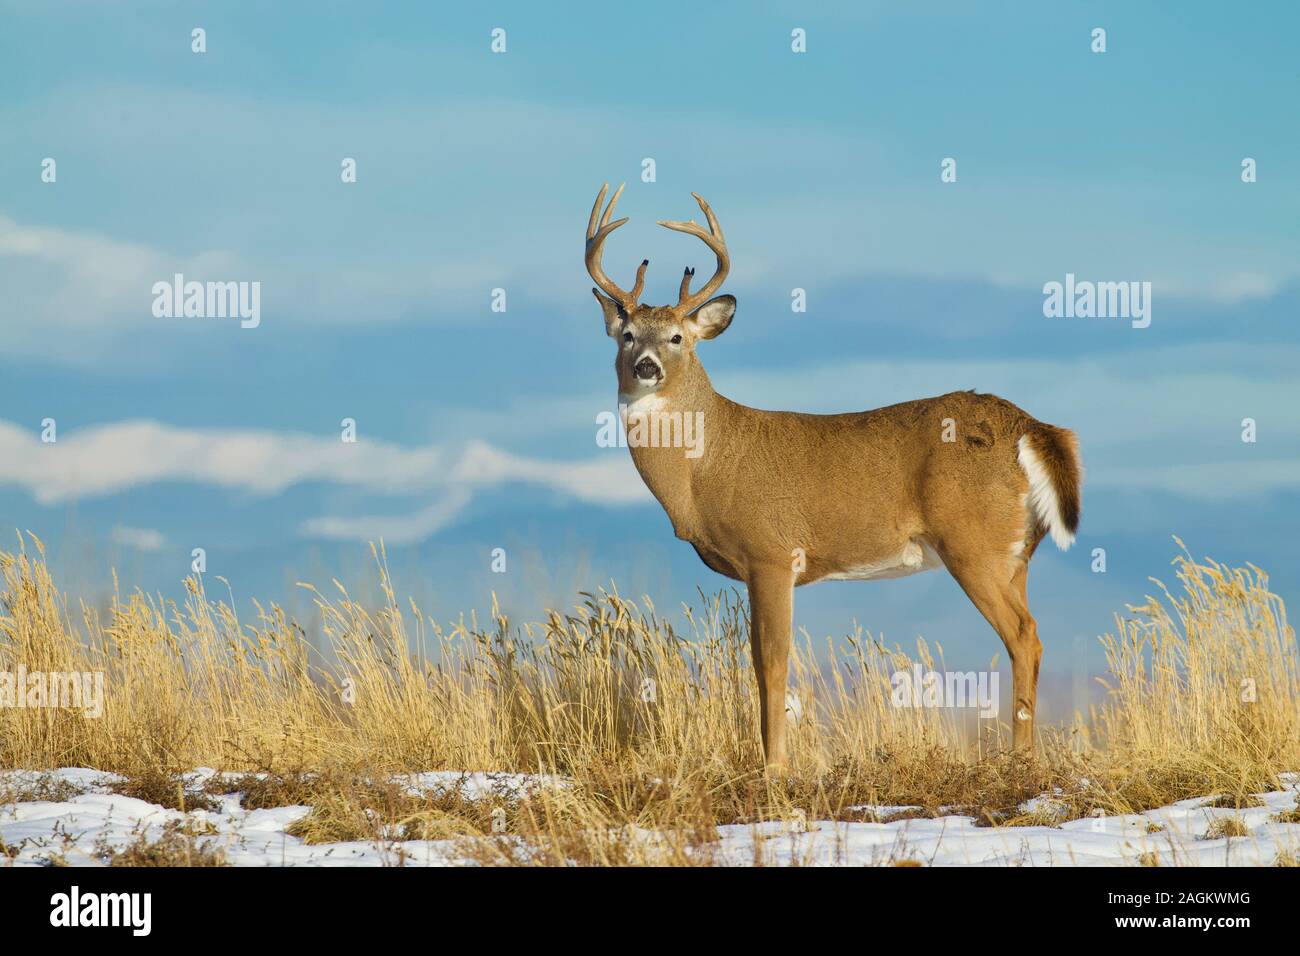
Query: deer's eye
627	336
676	340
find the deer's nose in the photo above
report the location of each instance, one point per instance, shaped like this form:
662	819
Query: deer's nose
646	368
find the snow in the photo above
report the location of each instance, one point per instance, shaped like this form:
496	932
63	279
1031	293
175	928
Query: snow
74	828
475	786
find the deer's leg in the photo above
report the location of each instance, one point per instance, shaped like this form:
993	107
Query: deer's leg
1000	595
1031	653
771	613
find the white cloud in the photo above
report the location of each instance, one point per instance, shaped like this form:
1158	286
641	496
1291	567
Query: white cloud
60	281
608	480
100	289
141	539
392	529
106	459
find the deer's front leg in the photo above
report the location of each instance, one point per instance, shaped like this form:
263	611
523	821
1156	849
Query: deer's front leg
771	613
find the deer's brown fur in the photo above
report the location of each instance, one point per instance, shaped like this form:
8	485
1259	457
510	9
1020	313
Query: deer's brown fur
781	499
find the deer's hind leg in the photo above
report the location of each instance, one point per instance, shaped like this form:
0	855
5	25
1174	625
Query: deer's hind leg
996	585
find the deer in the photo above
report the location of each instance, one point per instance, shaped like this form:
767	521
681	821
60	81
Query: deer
777	500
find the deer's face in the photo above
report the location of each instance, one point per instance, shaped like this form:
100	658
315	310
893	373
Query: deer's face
656	345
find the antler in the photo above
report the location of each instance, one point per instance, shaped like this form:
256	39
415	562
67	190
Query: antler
597	233
687	303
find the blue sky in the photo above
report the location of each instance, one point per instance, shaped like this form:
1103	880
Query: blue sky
477	170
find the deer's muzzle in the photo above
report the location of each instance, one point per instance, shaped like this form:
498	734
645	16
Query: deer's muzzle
647	368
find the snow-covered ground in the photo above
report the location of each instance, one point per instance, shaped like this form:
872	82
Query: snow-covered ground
77	829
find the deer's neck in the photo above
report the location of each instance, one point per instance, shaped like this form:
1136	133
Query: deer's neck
668	434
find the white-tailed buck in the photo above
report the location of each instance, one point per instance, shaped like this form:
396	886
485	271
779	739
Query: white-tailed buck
780	499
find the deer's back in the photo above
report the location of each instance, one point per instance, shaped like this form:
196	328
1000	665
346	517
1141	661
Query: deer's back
858	488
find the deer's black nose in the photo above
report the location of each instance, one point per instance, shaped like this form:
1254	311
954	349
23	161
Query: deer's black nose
646	368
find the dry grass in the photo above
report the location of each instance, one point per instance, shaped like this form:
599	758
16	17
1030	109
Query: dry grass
1236	801
1290	815
1206	681
1226	827
40	787
180	844
656	730
167	789
347	808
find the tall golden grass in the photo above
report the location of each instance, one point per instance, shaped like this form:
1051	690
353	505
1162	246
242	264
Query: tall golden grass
653	728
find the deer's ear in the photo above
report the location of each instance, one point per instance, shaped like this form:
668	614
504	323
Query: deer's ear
613	314
712	318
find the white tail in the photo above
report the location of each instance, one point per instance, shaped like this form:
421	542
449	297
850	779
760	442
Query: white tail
1044	498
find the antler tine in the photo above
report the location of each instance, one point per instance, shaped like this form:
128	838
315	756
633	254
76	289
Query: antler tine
635	294
595	247
609	210
685	290
713	238
595	212
708	214
606	227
